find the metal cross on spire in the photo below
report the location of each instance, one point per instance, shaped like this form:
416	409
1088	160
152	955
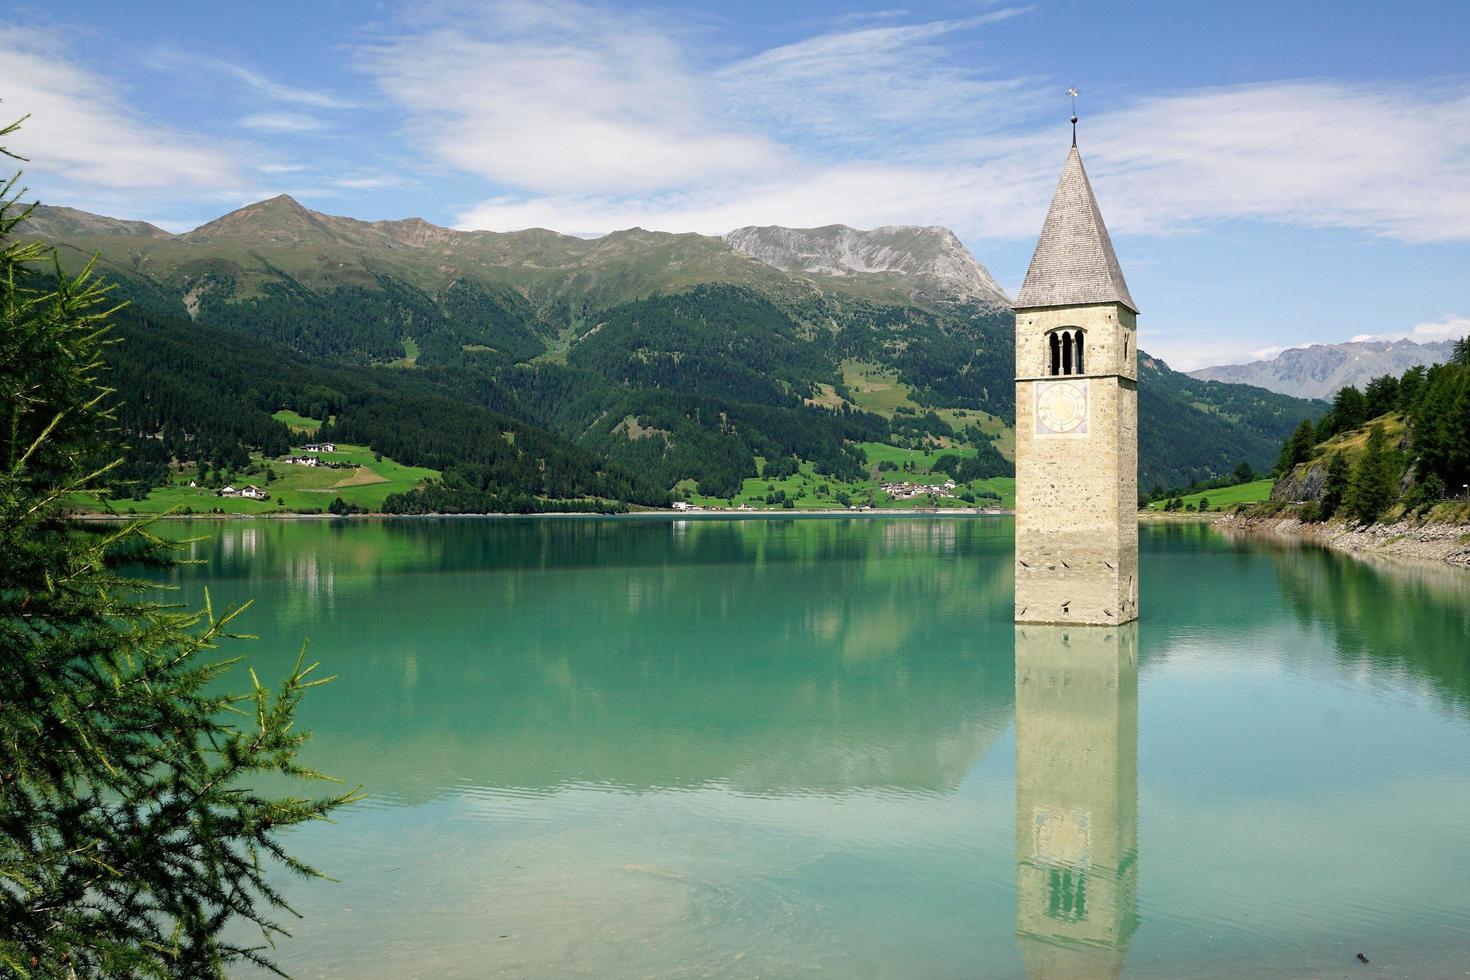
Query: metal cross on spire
1072	91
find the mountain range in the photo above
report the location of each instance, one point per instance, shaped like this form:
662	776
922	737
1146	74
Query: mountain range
1318	371
675	357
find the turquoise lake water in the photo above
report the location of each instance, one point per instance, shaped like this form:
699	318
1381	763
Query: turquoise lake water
819	747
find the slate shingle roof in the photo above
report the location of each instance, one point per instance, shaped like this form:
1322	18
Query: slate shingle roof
1074	263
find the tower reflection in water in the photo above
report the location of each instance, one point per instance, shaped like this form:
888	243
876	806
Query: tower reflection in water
1076	798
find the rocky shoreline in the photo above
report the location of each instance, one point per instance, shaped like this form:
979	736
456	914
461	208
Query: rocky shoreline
1423	540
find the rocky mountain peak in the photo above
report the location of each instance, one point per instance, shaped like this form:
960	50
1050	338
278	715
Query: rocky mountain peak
932	257
1319	370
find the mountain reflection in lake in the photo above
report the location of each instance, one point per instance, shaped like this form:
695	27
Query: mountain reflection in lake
780	747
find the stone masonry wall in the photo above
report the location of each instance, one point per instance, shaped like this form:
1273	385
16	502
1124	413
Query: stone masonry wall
1076	494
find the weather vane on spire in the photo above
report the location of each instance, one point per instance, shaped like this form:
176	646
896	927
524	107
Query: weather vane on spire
1072	91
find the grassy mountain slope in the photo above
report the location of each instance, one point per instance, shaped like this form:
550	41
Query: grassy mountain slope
1190	429
190	391
677	357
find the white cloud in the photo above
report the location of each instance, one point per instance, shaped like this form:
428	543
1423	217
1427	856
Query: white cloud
870	89
595	118
1388	159
82	138
1449	327
370	183
88	147
561	100
282	122
588	118
200	68
1188	350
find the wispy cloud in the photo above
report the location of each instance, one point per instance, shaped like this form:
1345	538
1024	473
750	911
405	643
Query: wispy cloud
1449	327
84	142
1189	350
1186	351
282	122
552	99
593	118
870	89
1387	159
201	68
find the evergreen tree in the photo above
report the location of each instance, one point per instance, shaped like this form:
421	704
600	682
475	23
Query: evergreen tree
1349	410
1335	488
1372	489
1441	424
129	834
1381	395
1410	385
1297	448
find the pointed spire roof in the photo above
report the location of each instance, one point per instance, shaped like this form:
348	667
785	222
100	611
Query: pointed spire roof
1074	264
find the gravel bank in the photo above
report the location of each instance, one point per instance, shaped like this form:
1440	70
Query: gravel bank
1430	541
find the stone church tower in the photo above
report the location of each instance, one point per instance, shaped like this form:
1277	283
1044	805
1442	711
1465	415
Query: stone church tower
1076	421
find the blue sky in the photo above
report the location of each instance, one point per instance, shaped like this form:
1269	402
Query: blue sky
1273	173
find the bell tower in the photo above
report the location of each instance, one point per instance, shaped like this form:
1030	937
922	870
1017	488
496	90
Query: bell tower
1076	420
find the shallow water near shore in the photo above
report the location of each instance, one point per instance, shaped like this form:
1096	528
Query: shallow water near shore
819	747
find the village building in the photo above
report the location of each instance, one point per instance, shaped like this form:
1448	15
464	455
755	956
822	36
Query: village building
254	493
1076	420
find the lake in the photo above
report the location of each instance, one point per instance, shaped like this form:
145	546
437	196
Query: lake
819	747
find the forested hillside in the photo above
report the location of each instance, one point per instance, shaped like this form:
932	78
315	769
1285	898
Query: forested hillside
189	391
674	357
1402	444
1191	430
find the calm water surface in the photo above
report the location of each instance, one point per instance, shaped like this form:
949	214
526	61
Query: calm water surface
819	747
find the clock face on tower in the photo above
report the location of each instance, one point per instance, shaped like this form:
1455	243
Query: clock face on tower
1061	408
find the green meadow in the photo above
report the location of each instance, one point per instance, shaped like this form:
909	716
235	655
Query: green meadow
295	422
1241	493
296	488
807	490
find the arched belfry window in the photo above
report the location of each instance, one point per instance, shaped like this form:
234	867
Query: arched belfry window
1064	351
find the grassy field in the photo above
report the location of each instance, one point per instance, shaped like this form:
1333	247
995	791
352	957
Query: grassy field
296	488
809	491
1241	493
878	390
297	423
875	389
410	356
